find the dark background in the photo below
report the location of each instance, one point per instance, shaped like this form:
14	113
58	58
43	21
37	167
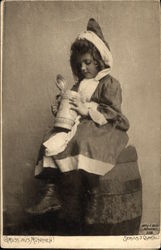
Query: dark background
36	42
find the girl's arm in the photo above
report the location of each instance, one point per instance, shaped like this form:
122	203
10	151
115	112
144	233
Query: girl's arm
110	104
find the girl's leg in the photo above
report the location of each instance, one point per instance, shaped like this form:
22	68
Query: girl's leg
72	194
69	217
91	181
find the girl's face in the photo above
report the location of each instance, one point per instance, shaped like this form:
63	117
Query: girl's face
88	66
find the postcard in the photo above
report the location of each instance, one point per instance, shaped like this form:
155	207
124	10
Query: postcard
80	124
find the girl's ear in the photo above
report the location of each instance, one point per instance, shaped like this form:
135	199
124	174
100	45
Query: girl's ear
95	62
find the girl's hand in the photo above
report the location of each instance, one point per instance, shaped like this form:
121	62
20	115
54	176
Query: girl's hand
79	106
54	109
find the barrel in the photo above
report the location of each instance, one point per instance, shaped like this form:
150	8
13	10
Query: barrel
65	117
116	208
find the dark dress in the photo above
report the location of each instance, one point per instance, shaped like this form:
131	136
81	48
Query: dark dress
95	148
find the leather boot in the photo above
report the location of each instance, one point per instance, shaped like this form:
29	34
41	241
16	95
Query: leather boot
49	203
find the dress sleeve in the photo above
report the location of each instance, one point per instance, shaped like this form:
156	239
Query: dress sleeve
110	104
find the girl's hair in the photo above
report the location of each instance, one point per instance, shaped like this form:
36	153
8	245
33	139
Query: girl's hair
80	47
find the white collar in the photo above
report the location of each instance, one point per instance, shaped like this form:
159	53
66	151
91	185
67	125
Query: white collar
102	73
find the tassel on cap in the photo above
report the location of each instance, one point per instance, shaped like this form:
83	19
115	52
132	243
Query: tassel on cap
94	27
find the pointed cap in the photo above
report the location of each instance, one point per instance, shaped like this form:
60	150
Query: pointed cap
94	27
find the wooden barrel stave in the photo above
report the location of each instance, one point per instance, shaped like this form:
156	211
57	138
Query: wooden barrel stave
116	208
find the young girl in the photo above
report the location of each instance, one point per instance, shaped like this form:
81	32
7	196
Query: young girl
99	135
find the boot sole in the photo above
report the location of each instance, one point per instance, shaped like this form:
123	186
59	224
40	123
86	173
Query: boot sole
55	208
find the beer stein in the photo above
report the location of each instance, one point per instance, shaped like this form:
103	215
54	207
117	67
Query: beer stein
65	117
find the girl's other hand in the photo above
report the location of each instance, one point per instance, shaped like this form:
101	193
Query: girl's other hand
55	106
79	106
54	109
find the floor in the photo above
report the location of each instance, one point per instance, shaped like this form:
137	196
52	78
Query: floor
49	224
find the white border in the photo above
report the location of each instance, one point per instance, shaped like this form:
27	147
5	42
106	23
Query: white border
99	242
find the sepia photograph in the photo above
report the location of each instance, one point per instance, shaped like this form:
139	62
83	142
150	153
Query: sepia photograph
80	124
